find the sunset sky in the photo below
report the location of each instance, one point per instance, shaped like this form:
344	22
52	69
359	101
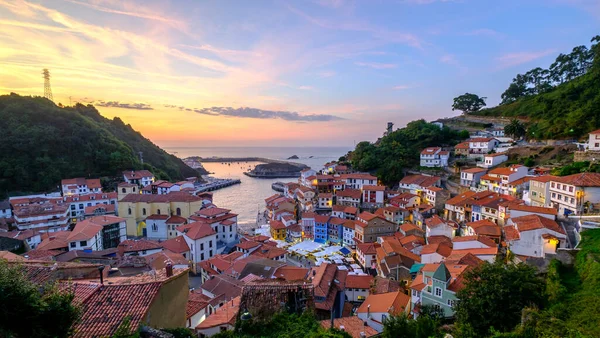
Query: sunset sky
281	72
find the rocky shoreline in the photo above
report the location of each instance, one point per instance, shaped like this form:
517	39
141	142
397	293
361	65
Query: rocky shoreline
276	170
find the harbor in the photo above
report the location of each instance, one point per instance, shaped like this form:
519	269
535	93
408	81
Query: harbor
216	184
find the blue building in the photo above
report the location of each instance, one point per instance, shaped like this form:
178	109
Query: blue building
335	230
321	230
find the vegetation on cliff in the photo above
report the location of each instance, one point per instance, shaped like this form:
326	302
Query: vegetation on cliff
398	151
43	143
560	102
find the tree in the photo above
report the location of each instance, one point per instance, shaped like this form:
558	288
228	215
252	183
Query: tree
30	311
515	129
426	325
468	103
495	294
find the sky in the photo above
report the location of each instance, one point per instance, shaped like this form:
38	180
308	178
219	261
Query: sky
282	72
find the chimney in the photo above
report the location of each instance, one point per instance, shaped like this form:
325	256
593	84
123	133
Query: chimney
362	335
101	269
342	328
368	312
169	269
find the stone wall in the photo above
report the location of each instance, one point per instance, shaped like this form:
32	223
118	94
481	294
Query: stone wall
586	156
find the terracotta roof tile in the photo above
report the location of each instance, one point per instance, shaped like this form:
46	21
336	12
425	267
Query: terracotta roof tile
359	281
353	325
177	245
533	222
392	302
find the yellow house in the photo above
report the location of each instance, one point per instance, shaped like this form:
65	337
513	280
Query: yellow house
278	230
135	208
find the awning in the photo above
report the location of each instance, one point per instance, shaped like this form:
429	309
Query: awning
345	251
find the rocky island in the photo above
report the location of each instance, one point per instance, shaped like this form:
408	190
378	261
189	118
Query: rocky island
293	157
276	170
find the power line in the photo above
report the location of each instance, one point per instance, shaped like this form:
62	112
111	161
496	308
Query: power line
47	88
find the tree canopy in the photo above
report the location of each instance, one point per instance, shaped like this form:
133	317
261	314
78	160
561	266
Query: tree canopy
515	129
468	103
495	294
427	325
30	311
43	143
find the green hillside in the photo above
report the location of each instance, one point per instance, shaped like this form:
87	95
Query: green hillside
42	143
561	102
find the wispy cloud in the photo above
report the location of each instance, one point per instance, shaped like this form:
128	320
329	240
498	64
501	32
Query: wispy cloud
376	65
305	88
426	2
330	3
485	32
515	59
117	104
327	73
449	59
401	87
255	113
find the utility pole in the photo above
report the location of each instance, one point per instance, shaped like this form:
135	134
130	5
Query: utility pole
47	89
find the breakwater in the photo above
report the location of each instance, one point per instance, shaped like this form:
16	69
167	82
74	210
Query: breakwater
242	159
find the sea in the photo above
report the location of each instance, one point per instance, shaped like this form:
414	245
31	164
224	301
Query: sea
248	198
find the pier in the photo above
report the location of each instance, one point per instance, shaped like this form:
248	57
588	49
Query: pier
217	184
241	159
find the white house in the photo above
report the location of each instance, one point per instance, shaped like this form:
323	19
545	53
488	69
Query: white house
138	247
534	236
80	186
518	210
5	210
40	213
569	194
325	200
377	308
78	203
358	180
367	254
372	195
434	157
305	177
348	234
435	252
348	197
436	226
86	235
594	141
481	145
492	160
202	240
139	177
473	242
357	287
156	227
470	177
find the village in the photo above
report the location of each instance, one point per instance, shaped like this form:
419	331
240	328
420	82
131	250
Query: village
362	250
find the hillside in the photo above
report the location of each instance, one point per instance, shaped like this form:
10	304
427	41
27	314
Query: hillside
561	102
43	143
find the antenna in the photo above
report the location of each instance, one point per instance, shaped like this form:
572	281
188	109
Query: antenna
141	156
47	89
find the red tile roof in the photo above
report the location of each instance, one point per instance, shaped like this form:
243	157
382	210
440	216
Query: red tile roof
353	325
443	248
104	311
224	315
463	145
374	188
511	233
137	174
581	180
533	222
84	230
359	281
420	180
197	230
133	245
392	302
55	240
276	225
430	150
473	170
529	208
158	260
291	273
177	245
176	196
176	220
485	227
196	302
368	248
349	193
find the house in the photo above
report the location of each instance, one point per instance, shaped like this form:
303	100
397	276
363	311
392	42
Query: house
405	200
5	210
408	229
539	190
201	238
437	285
348	197
369	226
348	234
325	200
372	195
80	186
461	149
357	287
436	197
320	233
329	285
470	177
138	247
534	236
377	308
278	205
594	140
223	222
436	252
278	230
518	210
308	224
483	227
434	157
135	208
305	177
79	203
395	214
416	184
366	253
223	319
436	226
177	245
335	230
353	325
98	233
507	181
160	260
455	208
394	260
40	213
480	146
492	160
196	309
358	180
28	239
571	194
305	196
140	177
294	233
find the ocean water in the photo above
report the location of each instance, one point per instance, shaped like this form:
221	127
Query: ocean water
247	199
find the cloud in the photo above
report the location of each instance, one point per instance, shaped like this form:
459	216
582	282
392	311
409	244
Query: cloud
255	113
515	59
327	73
426	2
485	32
376	65
117	104
305	88
330	3
401	87
449	59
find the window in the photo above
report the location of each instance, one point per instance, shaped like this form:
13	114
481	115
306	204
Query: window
178	211
414	292
123	190
83	243
553	195
570	189
154	227
129	211
158	211
202	256
210	244
201	246
143	211
438	292
450	303
73	244
210	253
